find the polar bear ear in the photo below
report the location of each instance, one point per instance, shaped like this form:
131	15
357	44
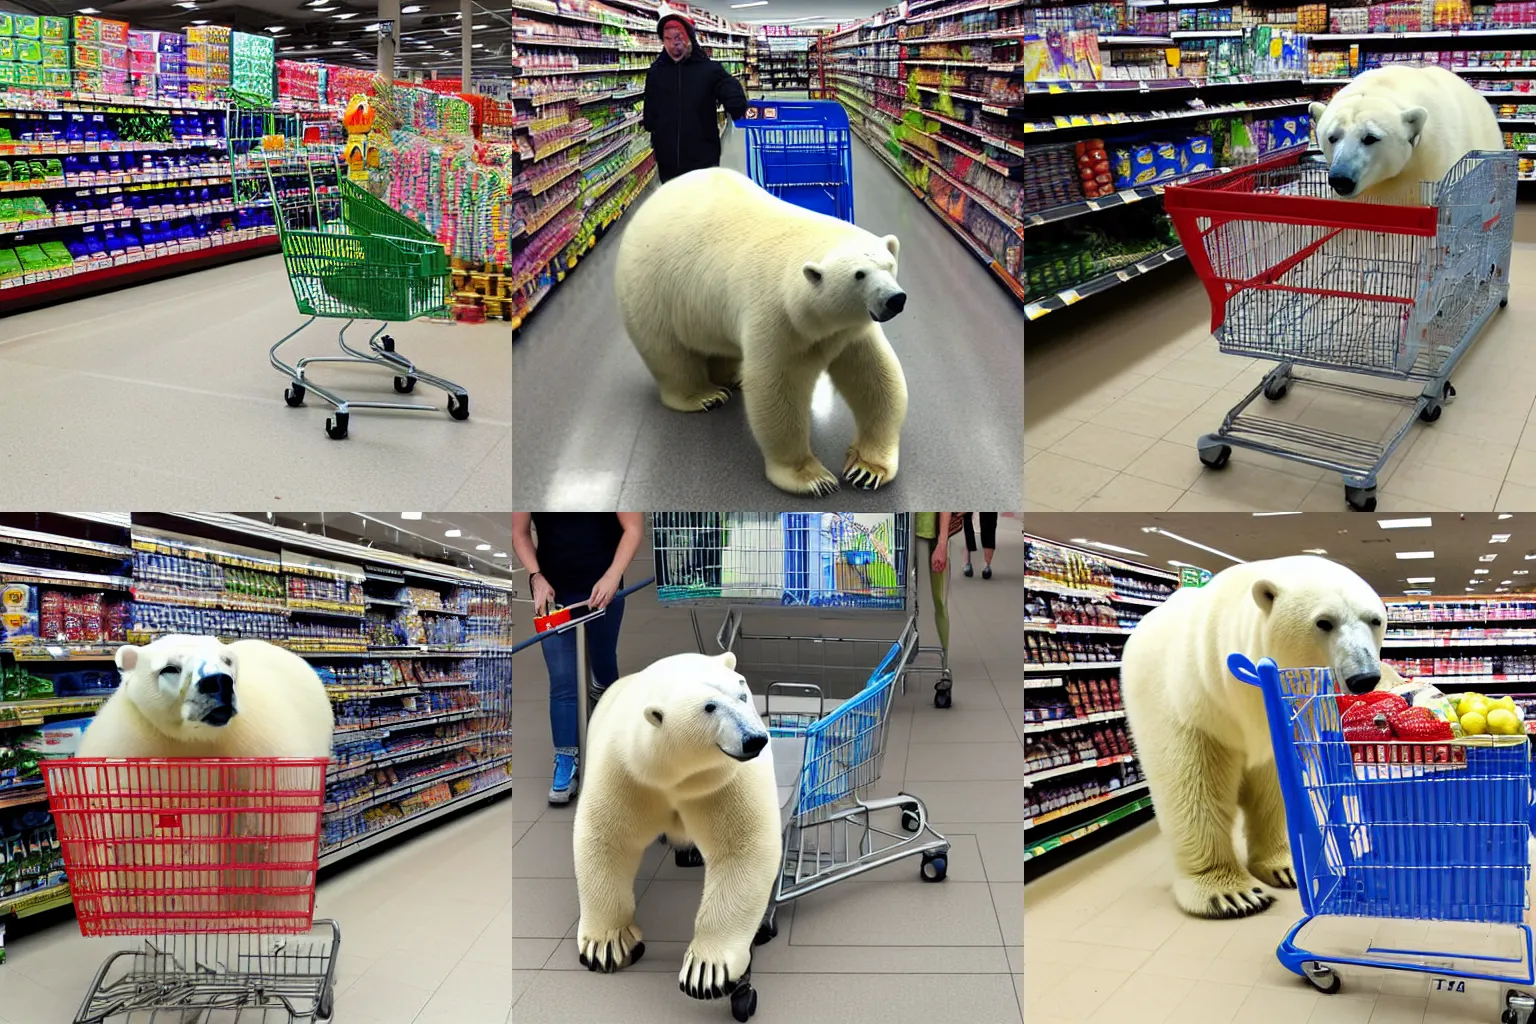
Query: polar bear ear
1264	594
1316	110
1413	120
127	657
653	715
892	245
812	272
728	659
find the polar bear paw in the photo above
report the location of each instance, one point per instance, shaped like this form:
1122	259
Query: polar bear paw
612	950
709	973
1275	871
707	400
810	478
866	472
1222	895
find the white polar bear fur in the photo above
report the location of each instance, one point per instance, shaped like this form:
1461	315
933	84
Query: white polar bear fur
1424	118
1203	736
716	286
654	765
281	707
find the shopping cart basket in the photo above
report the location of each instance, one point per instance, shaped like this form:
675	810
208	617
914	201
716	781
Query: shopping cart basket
802	152
1396	292
213	861
373	263
1427	832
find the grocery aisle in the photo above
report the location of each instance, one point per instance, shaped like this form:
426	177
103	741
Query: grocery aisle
172	378
881	948
592	433
1118	398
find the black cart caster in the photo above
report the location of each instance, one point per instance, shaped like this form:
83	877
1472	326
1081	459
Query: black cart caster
294	396
935	867
1361	499
458	406
942	697
910	820
1216	458
743	1002
689	858
1431	412
1277	389
1323	978
337	429
387	343
405	385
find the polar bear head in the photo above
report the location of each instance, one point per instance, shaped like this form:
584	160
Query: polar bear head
1367	138
183	685
854	282
701	717
1317	612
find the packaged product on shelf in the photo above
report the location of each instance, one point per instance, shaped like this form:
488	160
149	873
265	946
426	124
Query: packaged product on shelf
18	683
18	613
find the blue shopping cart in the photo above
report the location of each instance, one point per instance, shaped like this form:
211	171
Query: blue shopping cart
1426	832
802	152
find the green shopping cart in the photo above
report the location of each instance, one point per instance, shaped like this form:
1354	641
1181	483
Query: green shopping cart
350	256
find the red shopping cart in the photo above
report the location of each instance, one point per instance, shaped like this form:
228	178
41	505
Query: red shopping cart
213	861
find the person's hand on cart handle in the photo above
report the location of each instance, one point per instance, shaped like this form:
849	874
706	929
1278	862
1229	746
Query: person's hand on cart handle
603	591
543	594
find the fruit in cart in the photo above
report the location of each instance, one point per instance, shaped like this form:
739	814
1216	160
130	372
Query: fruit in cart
1471	702
1420	725
1503	722
1474	723
1364	723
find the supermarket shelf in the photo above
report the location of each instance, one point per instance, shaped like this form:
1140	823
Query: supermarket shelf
986	203
1070	296
1490	641
1483	680
1123	197
103	181
1134	40
27	574
1078	766
54	542
1204	113
363	801
1149	84
35	902
119	217
1220	33
60	289
62	652
357	845
1056	842
1054	627
1044	684
1068	723
1084	805
352	771
21	796
1440	34
1071	666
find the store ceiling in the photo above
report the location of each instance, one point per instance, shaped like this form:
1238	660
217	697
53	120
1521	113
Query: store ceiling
1458	542
429	34
820	13
424	537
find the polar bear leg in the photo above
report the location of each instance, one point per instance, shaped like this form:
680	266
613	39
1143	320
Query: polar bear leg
778	401
725	373
682	376
868	376
739	873
1269	850
1195	783
609	847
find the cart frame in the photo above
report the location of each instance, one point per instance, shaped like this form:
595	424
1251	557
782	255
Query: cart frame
802	152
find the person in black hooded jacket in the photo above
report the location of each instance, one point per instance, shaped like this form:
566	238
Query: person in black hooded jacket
682	90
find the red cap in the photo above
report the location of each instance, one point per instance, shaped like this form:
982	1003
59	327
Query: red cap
661	23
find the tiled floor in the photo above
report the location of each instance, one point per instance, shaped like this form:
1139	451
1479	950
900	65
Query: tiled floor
425	937
1113	411
884	948
1104	943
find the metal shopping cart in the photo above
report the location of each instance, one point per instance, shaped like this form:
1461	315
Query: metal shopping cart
1305	280
1424	832
350	256
802	152
214	862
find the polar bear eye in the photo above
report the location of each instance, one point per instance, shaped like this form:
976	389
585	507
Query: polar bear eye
1333	140
859	275
1368	140
709	708
1375	623
1326	625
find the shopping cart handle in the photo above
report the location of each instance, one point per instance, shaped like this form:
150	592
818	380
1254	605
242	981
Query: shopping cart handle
537	637
1245	670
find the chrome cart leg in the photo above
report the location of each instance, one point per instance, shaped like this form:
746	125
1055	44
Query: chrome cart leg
383	348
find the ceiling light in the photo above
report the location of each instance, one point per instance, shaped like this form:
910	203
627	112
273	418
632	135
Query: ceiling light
453	533
409	10
1506	583
1415	554
1506	515
754	3
476	46
344	17
1399	524
1421	579
479	26
1498	538
500	554
1276	513
188	4
276	30
1095	543
1501	590
1480	572
1417	592
1469	589
1486	558
88	10
1519	572
487	547
317	3
200	21
1476	582
410	515
1314	551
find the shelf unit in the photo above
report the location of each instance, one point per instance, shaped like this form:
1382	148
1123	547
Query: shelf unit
413	655
1458	643
1079	608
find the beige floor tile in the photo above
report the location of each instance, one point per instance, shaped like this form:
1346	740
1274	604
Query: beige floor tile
1258	480
1126	493
1211	1002
1274	1006
1442	486
1522	468
1061	482
1208	368
1173	398
1343	1008
1045	431
1077	996
1474	455
1516	498
1102	446
1147	998
1196	501
1499	424
1392	1009
1170	463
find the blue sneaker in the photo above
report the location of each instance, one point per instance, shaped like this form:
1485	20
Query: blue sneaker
567	779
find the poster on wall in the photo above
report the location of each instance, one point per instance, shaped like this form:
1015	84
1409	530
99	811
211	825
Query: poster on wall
253	65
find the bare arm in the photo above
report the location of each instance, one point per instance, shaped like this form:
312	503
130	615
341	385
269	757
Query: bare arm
527	554
633	523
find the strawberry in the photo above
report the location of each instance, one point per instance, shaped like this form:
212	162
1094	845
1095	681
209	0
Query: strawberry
1362	717
1419	725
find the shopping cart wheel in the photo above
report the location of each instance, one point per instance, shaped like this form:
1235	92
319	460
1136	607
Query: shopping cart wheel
405	385
1217	457
942	695
743	1002
1519	1007
294	396
387	343
1276	390
1361	499
337	429
458	406
1322	977
910	821
935	867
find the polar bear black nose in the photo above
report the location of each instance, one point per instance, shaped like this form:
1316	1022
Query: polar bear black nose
1341	183
217	684
896	303
1363	682
753	745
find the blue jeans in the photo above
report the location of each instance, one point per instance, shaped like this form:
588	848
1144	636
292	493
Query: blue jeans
560	657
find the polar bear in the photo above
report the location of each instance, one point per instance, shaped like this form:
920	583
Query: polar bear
722	285
1396	126
194	696
1203	737
678	749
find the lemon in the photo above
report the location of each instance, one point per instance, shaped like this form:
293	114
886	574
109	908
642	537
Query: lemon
1473	724
1508	703
1503	722
1468	702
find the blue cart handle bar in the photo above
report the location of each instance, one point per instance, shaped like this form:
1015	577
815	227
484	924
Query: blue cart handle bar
540	637
1245	670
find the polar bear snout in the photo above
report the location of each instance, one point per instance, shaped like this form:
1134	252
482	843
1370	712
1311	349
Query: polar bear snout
212	700
1343	184
893	305
1363	682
